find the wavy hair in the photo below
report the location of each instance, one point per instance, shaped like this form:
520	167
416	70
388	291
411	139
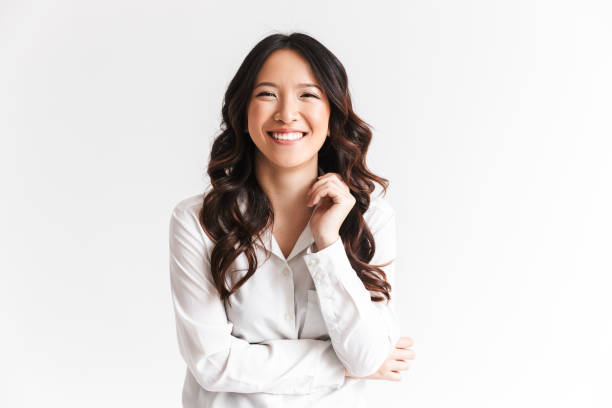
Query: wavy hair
231	169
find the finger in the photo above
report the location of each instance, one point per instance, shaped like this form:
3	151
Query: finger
328	175
403	354
326	190
332	178
322	192
406	353
404	342
316	185
336	178
399	365
393	376
340	183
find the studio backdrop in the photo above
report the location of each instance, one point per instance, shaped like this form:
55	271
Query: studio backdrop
491	120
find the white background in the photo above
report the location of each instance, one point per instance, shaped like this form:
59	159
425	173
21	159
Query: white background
491	119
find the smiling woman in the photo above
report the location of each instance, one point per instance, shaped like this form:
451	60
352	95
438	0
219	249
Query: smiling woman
296	99
282	270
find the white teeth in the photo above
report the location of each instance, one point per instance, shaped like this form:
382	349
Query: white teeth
287	136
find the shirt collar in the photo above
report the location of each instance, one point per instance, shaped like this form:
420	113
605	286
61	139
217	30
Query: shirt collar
305	239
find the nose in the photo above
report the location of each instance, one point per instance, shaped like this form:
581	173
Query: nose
287	111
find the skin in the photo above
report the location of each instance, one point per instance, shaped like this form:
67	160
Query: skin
395	362
288	173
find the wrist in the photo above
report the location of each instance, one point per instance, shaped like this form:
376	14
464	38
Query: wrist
324	242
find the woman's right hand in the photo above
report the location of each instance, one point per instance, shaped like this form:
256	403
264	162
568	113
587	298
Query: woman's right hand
396	362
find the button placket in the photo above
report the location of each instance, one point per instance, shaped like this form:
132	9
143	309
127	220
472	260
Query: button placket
286	271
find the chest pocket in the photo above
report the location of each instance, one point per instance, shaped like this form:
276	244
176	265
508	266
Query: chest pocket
314	325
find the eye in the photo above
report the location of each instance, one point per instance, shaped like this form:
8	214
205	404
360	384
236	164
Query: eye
265	93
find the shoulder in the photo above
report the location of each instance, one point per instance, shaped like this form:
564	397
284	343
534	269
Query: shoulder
188	206
379	213
185	219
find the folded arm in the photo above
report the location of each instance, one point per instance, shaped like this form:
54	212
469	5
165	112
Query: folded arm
222	362
363	333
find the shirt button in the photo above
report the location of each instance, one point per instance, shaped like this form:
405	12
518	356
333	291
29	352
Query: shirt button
287	316
285	271
312	261
317	276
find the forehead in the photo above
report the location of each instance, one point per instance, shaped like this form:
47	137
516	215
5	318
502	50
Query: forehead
286	66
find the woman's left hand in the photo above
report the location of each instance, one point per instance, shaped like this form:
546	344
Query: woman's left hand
335	202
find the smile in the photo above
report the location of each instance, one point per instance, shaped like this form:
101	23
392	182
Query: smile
286	138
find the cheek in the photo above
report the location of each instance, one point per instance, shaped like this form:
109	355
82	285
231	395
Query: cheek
257	111
319	116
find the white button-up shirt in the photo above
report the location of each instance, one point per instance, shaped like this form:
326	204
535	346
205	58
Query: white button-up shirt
293	326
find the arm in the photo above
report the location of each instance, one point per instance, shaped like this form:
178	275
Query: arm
363	333
220	361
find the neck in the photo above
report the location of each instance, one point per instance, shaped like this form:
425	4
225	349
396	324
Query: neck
286	188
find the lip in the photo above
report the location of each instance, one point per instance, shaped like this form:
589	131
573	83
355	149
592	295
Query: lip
286	130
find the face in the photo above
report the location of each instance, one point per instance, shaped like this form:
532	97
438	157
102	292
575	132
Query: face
287	97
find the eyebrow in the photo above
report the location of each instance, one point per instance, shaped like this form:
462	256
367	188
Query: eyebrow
276	86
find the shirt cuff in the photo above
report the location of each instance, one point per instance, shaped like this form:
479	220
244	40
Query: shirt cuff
330	270
331	262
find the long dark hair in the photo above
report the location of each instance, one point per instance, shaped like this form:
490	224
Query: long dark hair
231	169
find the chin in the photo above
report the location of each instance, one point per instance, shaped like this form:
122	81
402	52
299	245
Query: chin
288	164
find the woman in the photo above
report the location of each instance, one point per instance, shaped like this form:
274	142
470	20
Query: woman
278	267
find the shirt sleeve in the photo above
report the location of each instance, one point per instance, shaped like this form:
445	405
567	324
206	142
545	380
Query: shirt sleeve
363	333
219	361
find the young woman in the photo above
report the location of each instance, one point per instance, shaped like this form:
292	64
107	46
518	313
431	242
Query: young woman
281	270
